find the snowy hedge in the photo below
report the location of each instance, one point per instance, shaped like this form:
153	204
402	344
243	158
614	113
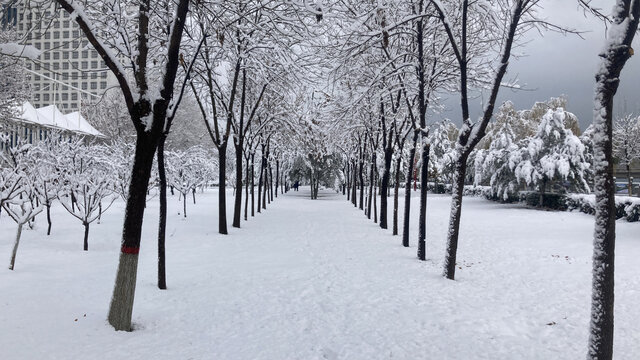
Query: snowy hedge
626	207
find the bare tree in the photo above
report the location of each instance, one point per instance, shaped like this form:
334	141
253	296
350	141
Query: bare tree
616	52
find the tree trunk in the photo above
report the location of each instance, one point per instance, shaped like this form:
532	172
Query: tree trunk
270	184
371	185
121	306
375	198
162	223
396	190
361	178
384	187
424	173
184	204
618	50
354	189
48	217
543	187
454	217
237	207
253	185
222	192
277	176
629	180
261	180
15	247
407	192
86	235
246	191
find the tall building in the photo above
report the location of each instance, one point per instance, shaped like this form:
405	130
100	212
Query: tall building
69	70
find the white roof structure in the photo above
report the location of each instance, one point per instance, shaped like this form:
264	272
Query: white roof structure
51	117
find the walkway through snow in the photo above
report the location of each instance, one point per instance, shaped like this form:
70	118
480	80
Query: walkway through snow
314	279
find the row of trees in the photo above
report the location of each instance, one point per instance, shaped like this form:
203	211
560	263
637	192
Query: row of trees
394	61
370	84
84	178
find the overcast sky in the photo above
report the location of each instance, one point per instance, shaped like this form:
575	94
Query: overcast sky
556	65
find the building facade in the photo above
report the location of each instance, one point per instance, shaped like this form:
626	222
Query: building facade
69	71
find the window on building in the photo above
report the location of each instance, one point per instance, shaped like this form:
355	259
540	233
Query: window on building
94	76
56	55
84	86
65	96
74	55
85	54
94	85
47	35
56	66
75	33
74	96
65	66
65	54
45	97
47	56
65	34
94	64
103	85
47	45
103	75
56	35
85	65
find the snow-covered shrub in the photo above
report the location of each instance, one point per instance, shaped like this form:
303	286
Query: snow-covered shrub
626	207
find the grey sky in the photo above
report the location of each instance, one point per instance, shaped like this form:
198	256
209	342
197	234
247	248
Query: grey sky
555	64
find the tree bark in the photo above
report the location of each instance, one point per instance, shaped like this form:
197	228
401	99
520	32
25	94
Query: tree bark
162	223
237	208
424	174
15	247
246	191
618	50
629	180
371	185
277	176
253	185
407	191
396	190
121	307
454	218
384	187
354	189
86	236
222	192
48	217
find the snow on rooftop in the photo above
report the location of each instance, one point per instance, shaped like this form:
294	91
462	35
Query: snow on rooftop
51	116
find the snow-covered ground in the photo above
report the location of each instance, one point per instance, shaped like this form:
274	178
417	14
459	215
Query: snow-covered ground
317	280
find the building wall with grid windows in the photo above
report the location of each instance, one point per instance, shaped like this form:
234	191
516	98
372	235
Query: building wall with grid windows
68	62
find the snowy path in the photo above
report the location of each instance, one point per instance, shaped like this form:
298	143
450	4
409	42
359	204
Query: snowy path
317	280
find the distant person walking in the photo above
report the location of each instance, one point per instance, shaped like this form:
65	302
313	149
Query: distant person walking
296	185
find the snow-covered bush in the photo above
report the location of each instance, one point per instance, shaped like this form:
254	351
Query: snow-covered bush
626	207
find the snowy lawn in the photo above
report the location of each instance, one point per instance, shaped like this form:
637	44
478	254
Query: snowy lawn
316	280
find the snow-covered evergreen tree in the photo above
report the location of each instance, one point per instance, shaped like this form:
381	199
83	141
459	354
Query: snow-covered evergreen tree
553	154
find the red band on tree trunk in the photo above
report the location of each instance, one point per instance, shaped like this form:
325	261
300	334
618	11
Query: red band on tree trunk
130	250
